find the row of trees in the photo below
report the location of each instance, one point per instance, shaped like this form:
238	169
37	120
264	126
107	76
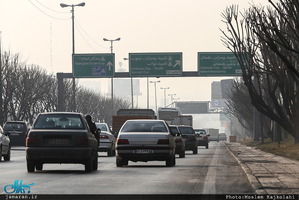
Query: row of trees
266	43
28	90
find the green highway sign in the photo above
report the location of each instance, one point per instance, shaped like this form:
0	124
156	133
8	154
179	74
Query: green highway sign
218	64
155	64
93	65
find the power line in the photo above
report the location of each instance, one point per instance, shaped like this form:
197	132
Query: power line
50	8
89	36
47	13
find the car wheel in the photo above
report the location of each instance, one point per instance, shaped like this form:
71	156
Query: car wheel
30	166
195	150
95	163
170	161
39	166
207	146
109	152
0	153
88	166
120	162
182	154
7	156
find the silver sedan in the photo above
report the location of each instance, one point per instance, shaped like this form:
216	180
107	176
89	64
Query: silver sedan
107	139
4	145
145	140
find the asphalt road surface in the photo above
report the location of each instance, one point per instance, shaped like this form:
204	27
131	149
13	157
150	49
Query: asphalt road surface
211	171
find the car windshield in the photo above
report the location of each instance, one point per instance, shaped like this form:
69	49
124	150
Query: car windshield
144	126
102	127
15	126
59	121
186	130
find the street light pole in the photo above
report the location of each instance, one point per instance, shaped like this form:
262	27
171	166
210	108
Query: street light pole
132	90
171	97
73	43
155	82
165	94
111	47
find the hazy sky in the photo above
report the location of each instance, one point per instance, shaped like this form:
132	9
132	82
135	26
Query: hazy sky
40	31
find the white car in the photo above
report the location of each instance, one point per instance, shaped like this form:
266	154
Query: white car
4	145
107	139
145	140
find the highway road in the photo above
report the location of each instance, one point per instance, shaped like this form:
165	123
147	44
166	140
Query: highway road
211	171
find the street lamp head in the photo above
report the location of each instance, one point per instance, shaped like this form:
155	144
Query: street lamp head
118	39
105	39
81	4
63	5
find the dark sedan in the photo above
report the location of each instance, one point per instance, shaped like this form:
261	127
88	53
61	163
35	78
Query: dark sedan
61	137
190	139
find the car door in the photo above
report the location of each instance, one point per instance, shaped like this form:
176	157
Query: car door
4	140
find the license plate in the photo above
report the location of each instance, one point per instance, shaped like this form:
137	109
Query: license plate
143	151
58	141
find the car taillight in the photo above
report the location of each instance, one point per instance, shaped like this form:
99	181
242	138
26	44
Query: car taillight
31	141
205	138
191	139
178	140
104	137
163	141
82	141
122	141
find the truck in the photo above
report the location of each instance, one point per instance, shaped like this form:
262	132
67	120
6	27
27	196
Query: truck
125	114
214	133
181	120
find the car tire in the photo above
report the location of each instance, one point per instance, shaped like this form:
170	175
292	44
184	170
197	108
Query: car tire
95	163
7	156
88	166
109	152
39	166
119	162
207	146
170	161
0	153
30	166
195	150
182	154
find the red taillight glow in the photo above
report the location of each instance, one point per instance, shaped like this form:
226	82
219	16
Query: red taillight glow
122	141
178	140
82	141
104	137
163	141
31	141
191	139
205	138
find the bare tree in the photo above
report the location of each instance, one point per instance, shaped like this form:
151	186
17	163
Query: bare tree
265	42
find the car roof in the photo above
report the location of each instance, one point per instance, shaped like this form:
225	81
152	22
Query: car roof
61	113
142	120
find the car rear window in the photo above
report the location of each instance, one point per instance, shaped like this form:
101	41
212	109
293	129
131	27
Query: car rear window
200	132
143	126
174	130
102	127
15	126
186	130
59	121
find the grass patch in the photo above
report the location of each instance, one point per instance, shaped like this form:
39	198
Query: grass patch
286	148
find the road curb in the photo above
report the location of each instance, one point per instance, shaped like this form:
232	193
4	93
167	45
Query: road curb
256	185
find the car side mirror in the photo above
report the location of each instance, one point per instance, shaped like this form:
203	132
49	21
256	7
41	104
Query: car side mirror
208	135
